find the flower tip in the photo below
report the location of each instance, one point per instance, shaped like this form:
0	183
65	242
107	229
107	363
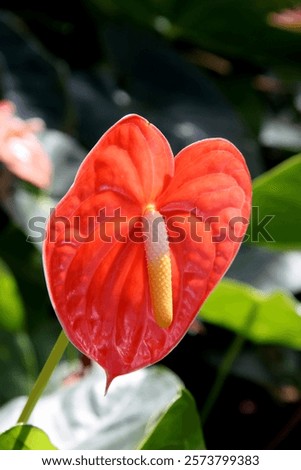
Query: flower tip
109	380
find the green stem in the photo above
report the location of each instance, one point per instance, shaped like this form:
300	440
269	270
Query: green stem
223	371
45	374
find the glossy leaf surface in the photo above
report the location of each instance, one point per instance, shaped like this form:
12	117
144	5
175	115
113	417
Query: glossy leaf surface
178	428
85	420
263	318
96	270
276	201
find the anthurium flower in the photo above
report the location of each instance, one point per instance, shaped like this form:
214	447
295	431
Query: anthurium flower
141	239
289	19
20	149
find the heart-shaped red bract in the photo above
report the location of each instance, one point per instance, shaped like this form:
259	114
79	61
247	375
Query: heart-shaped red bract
94	253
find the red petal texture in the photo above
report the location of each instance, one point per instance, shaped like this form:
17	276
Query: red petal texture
100	288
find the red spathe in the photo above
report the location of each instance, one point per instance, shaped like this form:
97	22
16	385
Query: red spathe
99	288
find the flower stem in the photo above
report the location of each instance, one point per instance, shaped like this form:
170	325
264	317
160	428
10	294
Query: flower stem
45	374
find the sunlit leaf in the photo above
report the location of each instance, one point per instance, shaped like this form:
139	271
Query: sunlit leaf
85	419
266	319
277	202
11	305
25	437
178	427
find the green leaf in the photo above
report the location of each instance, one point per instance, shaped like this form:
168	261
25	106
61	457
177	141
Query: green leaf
261	318
178	428
220	31
18	367
117	421
25	262
276	200
12	314
25	437
244	36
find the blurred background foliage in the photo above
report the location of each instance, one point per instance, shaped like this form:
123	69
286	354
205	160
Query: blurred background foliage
196	69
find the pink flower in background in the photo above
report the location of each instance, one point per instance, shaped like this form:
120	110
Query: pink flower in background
289	19
20	149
